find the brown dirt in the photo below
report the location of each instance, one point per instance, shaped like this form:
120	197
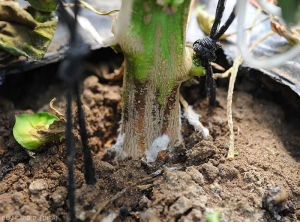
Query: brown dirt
198	180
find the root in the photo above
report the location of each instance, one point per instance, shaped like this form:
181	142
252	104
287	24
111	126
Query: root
233	71
59	114
193	118
223	75
237	62
217	66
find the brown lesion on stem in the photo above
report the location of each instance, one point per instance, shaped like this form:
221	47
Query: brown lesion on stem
150	110
171	102
133	125
145	119
139	112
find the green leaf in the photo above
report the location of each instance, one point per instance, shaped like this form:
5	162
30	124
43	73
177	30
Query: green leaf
33	130
174	2
177	2
290	11
25	32
213	217
43	5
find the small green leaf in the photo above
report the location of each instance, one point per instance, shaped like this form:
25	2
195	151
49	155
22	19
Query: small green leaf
33	130
43	5
174	2
290	11
213	217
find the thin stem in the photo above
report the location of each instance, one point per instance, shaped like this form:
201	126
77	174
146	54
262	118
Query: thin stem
88	6
97	11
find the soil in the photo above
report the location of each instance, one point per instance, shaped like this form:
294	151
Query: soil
262	183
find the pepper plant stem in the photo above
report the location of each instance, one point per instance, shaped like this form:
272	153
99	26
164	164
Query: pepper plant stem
151	36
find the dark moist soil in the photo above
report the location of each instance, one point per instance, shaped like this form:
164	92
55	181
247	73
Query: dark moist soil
262	183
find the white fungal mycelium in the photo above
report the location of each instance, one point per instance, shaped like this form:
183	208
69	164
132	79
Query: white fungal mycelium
193	119
118	147
159	144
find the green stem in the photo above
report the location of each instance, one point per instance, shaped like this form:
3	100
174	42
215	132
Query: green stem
152	38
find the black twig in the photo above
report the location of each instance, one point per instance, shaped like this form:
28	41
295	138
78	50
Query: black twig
206	48
70	71
70	155
226	25
89	169
218	17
